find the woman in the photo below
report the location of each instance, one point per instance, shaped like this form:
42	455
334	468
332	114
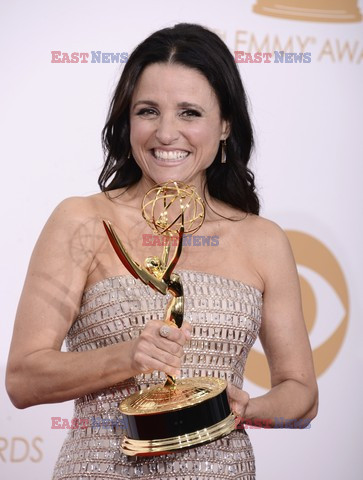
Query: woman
179	112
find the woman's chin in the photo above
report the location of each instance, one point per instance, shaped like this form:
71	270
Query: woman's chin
172	175
177	174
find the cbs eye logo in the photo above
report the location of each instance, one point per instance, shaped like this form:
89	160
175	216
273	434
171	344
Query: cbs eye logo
328	328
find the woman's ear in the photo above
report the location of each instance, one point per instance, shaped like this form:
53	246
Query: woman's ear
226	129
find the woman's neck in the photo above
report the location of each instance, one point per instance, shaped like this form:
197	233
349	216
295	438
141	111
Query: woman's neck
134	195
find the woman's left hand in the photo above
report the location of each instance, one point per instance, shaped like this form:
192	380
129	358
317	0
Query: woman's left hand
238	400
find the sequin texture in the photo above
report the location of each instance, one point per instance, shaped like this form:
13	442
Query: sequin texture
225	315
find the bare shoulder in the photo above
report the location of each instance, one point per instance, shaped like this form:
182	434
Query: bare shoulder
79	207
263	236
268	247
265	233
74	213
73	229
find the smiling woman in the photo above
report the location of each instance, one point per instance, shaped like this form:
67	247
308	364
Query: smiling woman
179	112
182	52
172	138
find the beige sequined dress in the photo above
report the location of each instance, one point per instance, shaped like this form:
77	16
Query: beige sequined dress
225	315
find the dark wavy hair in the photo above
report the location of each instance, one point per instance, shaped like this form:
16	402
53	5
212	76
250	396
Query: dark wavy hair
196	47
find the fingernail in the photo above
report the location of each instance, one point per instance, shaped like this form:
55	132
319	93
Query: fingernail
188	334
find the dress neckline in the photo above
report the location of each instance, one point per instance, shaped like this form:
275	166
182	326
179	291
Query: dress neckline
196	272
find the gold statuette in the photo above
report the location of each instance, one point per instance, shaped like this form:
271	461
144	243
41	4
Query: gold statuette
181	413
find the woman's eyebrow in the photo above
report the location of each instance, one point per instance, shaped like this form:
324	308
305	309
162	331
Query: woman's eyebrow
190	105
145	102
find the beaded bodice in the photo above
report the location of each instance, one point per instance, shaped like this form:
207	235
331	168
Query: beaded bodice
225	316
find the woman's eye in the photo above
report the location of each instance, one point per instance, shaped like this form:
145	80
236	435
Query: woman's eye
190	113
146	112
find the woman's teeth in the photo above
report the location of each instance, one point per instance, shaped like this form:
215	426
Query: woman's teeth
170	155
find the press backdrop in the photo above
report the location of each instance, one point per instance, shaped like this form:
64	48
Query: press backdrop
308	163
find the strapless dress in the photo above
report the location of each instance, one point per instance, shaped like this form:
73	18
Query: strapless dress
225	315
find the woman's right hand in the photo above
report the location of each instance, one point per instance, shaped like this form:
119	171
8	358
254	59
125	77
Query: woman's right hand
151	351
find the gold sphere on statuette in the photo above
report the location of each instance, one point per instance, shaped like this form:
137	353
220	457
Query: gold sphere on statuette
165	205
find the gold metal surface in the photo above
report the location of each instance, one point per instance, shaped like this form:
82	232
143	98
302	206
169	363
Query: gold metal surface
132	266
163	206
311	10
160	398
151	447
170	209
166	208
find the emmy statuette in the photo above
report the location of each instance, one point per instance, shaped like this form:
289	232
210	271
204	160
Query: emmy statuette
186	412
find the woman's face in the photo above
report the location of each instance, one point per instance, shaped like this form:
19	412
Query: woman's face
175	122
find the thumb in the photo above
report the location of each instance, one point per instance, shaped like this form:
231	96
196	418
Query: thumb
238	399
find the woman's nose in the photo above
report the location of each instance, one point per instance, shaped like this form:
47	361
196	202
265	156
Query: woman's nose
167	129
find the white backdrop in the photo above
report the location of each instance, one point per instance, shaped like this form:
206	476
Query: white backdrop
308	120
